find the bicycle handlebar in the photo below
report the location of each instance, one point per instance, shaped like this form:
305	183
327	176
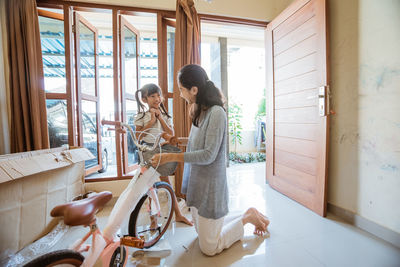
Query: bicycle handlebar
119	126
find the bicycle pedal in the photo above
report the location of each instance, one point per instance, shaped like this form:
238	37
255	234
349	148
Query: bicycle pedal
132	241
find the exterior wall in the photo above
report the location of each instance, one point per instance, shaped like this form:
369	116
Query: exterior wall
248	144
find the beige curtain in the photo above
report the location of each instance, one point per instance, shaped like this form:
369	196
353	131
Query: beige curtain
27	95
187	51
4	85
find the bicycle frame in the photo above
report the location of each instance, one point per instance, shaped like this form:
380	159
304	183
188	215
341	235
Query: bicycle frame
104	243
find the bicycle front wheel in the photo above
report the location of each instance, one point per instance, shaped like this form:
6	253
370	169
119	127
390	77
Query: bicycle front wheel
63	257
152	227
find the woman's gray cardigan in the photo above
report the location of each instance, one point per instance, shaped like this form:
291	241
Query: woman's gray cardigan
204	176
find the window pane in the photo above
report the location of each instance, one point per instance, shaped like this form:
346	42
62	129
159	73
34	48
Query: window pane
89	130
131	110
57	122
130	55
87	55
53	52
148	63
170	57
171	108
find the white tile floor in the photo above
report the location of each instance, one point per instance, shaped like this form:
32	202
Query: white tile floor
298	237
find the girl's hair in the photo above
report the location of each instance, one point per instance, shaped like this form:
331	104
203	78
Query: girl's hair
208	94
146	91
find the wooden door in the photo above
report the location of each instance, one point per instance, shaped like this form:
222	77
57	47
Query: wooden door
297	85
129	59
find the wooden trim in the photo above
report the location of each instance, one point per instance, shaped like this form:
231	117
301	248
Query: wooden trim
87	24
171	23
50	5
94	6
124	95
164	13
49	14
69	76
78	80
91	97
162	52
322	138
97	98
269	66
92	170
81	96
117	96
224	19
128	10
56	96
90	9
296	5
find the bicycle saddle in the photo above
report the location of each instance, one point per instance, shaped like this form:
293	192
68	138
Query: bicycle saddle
81	212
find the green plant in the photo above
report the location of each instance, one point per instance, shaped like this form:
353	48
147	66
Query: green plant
260	157
251	157
261	112
235	126
246	157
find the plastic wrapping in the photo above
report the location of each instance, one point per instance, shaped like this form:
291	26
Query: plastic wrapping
37	248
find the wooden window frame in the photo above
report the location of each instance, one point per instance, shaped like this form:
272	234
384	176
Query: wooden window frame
162	16
80	96
68	96
124	95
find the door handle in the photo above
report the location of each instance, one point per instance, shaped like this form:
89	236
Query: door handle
323	100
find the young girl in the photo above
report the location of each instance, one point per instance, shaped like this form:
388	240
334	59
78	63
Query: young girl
154	121
204	178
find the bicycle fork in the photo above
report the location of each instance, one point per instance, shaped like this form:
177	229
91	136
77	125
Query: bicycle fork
154	208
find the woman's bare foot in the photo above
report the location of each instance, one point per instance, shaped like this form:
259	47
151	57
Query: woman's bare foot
264	218
259	221
183	219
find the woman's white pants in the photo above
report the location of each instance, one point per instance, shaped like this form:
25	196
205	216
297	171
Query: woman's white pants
217	235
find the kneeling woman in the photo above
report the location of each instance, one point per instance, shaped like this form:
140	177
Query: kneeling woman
204	177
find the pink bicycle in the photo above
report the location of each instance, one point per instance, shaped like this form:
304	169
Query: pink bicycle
148	203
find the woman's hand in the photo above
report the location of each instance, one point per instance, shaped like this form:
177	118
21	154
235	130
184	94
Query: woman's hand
162	158
166	157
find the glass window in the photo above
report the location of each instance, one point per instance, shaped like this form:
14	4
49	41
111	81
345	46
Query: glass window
53	51
87	60
89	130
57	122
131	110
148	51
130	56
170	57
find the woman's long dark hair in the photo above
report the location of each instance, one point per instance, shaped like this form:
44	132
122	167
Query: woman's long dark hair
145	91
208	94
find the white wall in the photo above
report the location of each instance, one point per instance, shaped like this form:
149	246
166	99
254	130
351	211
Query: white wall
364	175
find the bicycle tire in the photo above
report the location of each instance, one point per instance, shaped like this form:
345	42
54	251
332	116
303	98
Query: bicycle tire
139	222
116	260
65	256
